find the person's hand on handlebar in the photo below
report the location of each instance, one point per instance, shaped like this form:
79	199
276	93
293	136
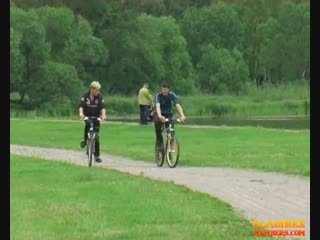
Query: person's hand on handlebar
182	118
81	116
103	117
162	118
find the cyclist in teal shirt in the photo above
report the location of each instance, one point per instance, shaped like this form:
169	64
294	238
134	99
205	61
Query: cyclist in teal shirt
164	101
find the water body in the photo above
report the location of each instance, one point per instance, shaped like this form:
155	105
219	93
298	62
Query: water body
282	122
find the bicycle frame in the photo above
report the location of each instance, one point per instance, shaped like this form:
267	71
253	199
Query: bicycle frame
171	154
91	138
169	129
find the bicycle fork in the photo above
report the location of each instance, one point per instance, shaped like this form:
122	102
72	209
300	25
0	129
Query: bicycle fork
170	136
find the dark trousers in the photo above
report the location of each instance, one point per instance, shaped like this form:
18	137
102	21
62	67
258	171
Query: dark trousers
144	113
158	127
96	125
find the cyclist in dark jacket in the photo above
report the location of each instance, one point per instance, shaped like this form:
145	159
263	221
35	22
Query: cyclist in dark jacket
92	105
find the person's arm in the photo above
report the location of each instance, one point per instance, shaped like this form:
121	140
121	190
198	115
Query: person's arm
158	109
180	111
102	109
162	118
81	105
178	107
81	113
103	114
149	96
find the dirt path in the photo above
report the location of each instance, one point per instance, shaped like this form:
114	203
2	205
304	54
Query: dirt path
257	195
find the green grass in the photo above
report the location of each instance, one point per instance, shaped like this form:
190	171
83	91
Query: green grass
239	147
55	200
286	99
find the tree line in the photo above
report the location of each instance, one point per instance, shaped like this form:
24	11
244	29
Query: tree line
200	46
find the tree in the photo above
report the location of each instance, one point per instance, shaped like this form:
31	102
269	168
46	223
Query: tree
60	80
17	61
33	47
285	53
222	70
218	24
72	41
36	75
147	48
100	13
116	43
175	58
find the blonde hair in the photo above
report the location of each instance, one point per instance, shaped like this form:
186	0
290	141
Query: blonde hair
95	84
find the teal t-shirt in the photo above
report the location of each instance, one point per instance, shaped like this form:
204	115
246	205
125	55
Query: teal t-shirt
166	102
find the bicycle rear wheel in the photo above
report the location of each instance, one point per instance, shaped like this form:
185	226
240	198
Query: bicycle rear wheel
159	154
172	152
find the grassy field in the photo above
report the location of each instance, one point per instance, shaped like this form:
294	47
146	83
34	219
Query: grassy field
54	200
241	147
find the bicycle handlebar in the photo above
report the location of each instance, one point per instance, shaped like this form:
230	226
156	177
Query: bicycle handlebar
167	120
92	118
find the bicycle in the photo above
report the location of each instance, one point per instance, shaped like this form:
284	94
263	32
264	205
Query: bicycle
171	149
91	140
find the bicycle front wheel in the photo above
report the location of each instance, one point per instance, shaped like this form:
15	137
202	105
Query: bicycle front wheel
90	152
172	152
159	154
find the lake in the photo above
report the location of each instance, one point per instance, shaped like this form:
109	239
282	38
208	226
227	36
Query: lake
283	122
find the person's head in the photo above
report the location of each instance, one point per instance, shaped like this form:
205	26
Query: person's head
95	88
164	88
146	85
